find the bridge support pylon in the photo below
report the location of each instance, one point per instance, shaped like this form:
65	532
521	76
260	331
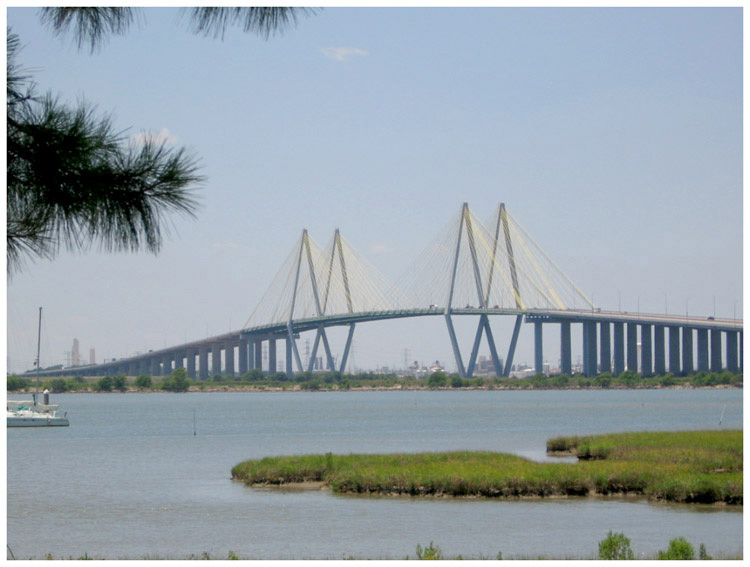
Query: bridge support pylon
660	367
687	351
646	351
605	352
566	366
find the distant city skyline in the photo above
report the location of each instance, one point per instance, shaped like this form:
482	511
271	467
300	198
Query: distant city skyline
614	135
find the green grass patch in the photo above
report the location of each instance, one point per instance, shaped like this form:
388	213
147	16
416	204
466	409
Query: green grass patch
695	466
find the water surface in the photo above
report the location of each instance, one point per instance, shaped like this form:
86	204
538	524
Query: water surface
129	478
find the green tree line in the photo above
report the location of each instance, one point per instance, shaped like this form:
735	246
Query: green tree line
179	381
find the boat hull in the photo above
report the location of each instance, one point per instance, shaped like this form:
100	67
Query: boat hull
29	413
37	421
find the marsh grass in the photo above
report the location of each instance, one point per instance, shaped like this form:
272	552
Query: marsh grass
699	466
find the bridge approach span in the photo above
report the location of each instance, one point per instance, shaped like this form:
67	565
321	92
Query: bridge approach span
247	342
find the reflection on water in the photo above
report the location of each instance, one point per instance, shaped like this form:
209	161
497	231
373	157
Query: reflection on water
129	479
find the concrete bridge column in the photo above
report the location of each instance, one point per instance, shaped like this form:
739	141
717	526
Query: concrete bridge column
271	356
632	346
674	350
742	351
229	358
179	360
732	365
619	348
703	350
716	350
589	348
647	368
155	366
166	364
242	356
190	356
538	356
585	346
593	349
660	367
215	359
605	354
687	351
203	363
250	354
565	365
133	368
259	354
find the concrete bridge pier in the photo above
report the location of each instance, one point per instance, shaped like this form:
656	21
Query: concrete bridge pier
215	359
203	362
646	351
732	364
687	351
155	366
190	356
565	362
742	351
271	356
674	350
242	356
229	358
605	349
258	355
716	365
632	346
589	348
703	350
619	348
166	363
660	366
250	354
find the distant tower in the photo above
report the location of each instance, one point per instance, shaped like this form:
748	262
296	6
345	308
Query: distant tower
76	353
92	356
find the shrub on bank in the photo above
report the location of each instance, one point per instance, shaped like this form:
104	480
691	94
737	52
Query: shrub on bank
143	382
177	381
679	549
120	382
437	380
615	546
16	383
104	384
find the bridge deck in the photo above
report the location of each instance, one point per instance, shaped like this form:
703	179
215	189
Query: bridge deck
280	330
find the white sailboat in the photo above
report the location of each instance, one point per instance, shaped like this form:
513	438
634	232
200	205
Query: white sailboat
30	413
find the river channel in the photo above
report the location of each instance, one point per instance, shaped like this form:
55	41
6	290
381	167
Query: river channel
148	475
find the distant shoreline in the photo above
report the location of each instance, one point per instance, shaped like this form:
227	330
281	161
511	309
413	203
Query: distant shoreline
396	388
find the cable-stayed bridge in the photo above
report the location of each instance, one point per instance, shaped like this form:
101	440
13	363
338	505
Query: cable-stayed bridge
472	268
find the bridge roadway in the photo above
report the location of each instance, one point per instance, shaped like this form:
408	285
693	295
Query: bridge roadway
722	351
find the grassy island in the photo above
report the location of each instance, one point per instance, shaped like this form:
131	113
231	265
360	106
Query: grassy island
690	466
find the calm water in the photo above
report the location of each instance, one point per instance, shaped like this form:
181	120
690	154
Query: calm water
129	478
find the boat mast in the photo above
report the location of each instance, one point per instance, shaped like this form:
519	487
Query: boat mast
38	349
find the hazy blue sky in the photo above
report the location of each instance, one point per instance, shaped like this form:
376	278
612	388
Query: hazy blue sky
614	136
